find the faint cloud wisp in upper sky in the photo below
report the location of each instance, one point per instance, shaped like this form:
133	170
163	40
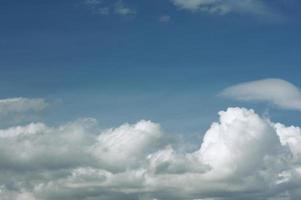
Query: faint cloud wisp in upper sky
252	7
107	8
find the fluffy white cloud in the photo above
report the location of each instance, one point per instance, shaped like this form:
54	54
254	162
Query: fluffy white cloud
243	156
224	145
256	7
127	145
290	136
276	91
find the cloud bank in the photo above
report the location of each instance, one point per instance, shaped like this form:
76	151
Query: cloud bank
242	156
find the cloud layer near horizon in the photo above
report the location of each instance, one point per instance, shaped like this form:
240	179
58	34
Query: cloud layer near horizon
243	156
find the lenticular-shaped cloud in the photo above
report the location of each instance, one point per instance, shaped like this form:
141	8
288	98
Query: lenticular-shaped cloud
242	156
276	91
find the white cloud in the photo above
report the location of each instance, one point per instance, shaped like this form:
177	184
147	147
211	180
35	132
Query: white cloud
276	91
290	136
255	7
224	143
127	145
243	156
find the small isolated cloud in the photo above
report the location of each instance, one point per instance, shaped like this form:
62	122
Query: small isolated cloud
164	19
276	91
242	156
255	7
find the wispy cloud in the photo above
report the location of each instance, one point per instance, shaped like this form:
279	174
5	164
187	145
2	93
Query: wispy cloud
276	91
253	7
20	104
20	109
110	8
121	9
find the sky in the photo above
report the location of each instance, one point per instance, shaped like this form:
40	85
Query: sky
103	99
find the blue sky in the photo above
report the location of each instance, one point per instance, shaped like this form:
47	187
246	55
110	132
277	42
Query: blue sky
120	68
150	100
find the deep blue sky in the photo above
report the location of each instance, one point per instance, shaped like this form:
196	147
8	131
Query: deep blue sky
125	68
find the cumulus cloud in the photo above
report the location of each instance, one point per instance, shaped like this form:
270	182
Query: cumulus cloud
291	137
255	7
276	91
242	156
127	145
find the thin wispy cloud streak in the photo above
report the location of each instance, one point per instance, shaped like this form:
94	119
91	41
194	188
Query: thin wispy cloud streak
253	7
110	8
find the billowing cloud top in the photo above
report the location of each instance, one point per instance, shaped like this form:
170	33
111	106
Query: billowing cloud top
243	156
276	91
